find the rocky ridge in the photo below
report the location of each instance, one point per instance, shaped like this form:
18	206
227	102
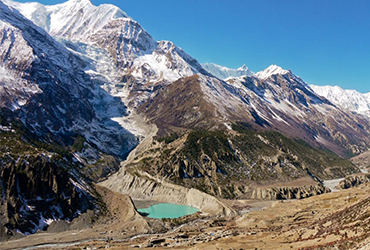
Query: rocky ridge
284	193
354	181
350	100
36	192
283	101
223	72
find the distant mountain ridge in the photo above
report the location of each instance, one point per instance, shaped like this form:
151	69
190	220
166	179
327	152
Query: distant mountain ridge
224	72
351	100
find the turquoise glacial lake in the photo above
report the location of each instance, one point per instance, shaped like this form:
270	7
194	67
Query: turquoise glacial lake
167	210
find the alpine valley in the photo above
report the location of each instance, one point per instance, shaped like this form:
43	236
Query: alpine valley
99	119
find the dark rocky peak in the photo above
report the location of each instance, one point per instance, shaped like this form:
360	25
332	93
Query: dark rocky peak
35	192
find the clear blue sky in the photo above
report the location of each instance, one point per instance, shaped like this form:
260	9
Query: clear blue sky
326	42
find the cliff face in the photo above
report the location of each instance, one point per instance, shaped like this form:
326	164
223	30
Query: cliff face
284	193
35	191
354	181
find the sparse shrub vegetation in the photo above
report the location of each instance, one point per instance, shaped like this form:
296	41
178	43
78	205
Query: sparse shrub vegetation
168	139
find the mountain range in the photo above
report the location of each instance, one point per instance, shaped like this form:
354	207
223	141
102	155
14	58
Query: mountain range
350	100
223	72
85	87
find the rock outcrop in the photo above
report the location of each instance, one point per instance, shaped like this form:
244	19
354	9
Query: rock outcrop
284	193
354	181
362	160
141	185
121	213
34	192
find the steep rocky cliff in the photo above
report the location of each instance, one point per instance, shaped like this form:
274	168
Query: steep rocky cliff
40	182
45	86
284	193
36	191
354	181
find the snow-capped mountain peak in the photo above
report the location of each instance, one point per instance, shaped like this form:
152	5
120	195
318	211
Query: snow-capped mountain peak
105	30
270	71
80	1
223	72
351	100
74	19
242	68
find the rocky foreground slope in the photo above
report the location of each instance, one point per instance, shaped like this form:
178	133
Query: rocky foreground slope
337	220
37	187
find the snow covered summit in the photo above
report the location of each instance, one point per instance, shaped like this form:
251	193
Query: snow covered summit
224	72
270	71
73	20
351	100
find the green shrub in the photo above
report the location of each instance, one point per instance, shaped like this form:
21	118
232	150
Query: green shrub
78	143
168	139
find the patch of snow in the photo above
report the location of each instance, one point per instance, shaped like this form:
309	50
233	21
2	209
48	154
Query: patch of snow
151	64
79	186
5	74
7	129
278	118
364	171
78	158
331	184
259	113
227	126
49	221
264	140
31	208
